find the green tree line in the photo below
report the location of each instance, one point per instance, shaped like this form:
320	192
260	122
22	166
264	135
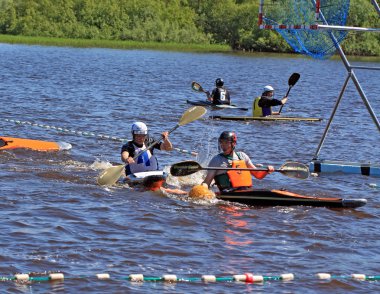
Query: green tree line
229	22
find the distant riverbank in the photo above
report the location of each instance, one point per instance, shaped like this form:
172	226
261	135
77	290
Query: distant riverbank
90	43
204	48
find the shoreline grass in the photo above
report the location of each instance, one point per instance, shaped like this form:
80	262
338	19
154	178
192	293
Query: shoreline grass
112	44
131	45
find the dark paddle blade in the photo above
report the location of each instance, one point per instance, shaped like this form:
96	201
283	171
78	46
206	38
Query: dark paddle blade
293	79
294	170
197	87
291	82
290	169
185	168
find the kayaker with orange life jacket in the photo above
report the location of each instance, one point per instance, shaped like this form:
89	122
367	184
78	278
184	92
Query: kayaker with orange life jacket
220	95
262	106
146	161
232	179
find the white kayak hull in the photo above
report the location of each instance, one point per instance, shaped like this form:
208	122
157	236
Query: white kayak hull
139	177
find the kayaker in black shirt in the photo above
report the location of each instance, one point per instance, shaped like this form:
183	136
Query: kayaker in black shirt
220	95
146	161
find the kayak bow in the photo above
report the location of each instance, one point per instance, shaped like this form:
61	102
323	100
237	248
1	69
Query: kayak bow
19	143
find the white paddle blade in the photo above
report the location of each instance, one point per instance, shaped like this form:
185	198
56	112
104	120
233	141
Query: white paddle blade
192	114
295	170
110	176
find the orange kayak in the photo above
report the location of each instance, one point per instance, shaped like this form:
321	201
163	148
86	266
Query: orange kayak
17	143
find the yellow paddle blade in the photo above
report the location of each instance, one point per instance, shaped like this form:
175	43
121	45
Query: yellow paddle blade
197	87
111	175
192	114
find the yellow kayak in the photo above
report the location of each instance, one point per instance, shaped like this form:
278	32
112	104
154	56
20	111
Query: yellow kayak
19	143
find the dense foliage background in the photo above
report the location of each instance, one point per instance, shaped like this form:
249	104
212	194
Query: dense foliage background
231	22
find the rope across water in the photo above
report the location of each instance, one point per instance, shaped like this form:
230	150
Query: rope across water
84	134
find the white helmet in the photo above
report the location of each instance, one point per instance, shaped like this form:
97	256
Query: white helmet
268	88
139	128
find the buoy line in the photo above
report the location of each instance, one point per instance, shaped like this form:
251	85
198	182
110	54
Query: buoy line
84	134
171	278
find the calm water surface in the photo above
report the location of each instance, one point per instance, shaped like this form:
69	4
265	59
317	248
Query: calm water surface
56	218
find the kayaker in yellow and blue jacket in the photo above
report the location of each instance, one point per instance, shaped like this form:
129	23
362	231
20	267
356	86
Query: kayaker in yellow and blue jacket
262	106
232	179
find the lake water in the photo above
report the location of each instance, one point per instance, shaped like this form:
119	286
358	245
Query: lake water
56	218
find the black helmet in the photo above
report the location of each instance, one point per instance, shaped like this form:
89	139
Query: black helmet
228	135
219	82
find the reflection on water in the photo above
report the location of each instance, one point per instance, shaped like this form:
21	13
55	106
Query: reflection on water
235	233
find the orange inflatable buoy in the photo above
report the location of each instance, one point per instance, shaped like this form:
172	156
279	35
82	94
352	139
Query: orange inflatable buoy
201	192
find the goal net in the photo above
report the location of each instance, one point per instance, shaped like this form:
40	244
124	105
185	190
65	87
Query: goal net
300	23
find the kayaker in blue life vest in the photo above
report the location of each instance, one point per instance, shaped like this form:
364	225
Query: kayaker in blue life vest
262	106
220	95
146	161
232	179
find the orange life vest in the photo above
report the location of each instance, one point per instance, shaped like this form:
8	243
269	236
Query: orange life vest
239	178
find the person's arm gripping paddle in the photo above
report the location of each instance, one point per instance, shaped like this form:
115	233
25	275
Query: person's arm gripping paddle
166	144
260	174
